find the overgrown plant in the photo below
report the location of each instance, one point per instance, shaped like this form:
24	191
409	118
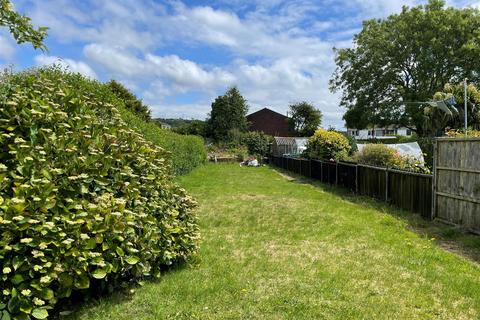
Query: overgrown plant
84	199
325	144
381	155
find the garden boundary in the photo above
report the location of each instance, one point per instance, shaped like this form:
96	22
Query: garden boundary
407	190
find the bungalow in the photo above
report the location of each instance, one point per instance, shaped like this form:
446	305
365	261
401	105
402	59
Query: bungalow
379	132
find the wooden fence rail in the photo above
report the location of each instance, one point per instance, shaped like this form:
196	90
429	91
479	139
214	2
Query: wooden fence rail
407	190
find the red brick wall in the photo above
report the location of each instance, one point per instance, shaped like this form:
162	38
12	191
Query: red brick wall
269	122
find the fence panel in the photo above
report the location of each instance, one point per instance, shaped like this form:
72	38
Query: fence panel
411	192
347	176
372	182
329	170
457	181
316	168
305	168
407	190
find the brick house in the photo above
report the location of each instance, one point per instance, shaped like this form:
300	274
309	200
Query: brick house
269	122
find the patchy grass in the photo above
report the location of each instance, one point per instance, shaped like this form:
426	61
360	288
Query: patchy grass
279	249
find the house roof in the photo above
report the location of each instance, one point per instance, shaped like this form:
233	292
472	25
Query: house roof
267	110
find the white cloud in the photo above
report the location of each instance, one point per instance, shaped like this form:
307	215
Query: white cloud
276	51
182	74
7	48
72	65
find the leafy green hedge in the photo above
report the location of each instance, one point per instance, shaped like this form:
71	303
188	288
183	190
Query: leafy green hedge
187	151
83	197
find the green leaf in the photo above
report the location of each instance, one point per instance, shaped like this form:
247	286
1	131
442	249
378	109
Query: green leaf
65	280
132	260
120	251
18	278
40	313
5	315
99	274
82	282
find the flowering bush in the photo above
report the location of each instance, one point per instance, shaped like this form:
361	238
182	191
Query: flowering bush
381	155
461	133
326	144
83	198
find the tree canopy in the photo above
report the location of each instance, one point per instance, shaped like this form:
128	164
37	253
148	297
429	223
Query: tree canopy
304	119
437	120
228	113
20	26
404	58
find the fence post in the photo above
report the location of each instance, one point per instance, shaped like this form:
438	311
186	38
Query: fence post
356	178
434	181
310	168
386	184
336	173
321	171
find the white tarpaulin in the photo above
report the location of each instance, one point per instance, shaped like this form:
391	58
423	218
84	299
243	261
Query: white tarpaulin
405	149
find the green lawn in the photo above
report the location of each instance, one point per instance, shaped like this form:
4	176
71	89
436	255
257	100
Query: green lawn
279	249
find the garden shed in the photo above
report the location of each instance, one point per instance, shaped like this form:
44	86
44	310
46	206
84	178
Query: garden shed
288	145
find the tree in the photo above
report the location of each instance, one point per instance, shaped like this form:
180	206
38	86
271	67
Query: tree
304	119
129	99
194	127
436	119
228	113
20	26
406	57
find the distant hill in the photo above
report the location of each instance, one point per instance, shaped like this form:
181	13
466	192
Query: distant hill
174	123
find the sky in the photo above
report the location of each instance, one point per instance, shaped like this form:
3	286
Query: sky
177	56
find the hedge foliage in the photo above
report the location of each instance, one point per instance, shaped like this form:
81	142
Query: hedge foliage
188	151
84	199
129	99
327	144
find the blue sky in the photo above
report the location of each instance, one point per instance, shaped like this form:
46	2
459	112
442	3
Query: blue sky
179	55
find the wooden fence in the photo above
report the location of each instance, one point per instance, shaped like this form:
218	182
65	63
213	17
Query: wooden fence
407	190
457	182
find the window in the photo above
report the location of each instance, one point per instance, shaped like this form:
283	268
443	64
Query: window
409	132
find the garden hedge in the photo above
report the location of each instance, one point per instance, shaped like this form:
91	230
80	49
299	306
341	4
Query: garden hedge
84	199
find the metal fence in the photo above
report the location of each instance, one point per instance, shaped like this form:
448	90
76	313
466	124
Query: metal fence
407	190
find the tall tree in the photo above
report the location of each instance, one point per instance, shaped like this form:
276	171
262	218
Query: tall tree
228	113
404	58
304	119
129	99
437	119
20	26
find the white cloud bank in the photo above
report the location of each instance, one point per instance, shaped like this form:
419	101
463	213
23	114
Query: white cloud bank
276	51
72	65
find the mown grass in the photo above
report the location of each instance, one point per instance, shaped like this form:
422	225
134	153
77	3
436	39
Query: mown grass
280	249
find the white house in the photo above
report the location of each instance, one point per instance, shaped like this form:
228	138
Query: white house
379	133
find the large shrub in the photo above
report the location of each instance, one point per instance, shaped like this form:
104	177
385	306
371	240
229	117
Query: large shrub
325	144
257	143
85	201
381	155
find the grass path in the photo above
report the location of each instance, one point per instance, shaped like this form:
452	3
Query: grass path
278	249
